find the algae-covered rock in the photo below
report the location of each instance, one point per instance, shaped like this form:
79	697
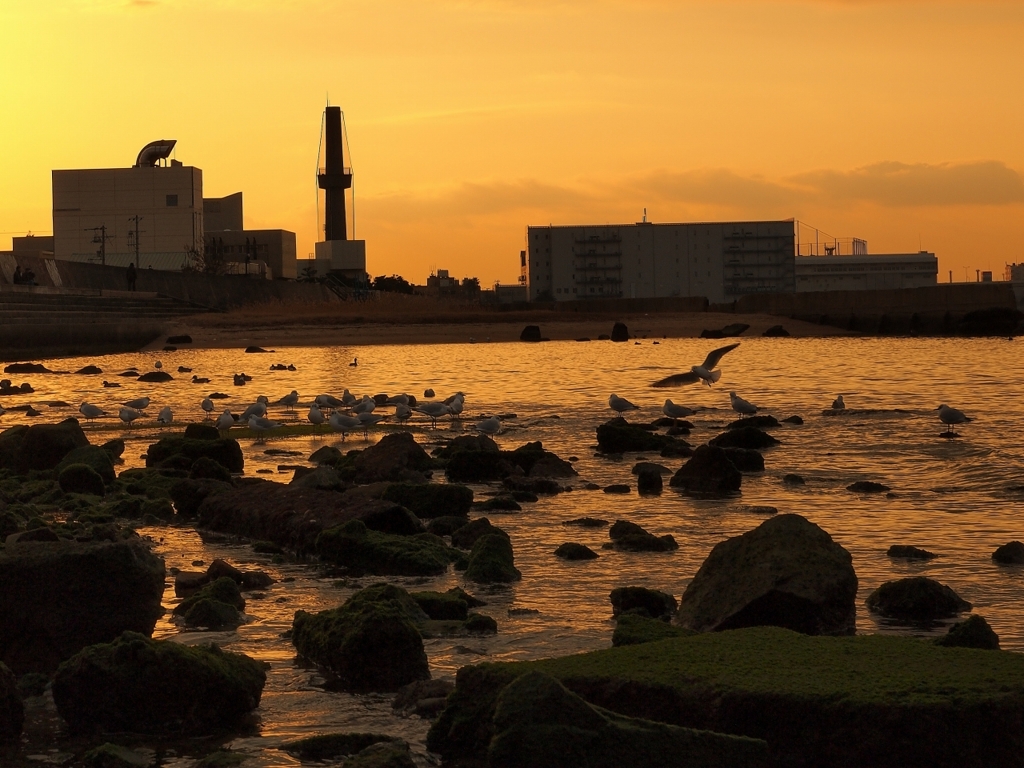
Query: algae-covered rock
442	605
95	457
206	468
81	478
225	451
156	686
745	459
491	561
361	550
12	712
384	754
58	597
391	459
572	550
431	500
466	536
652	602
40	446
910	552
330	746
115	756
744	437
538	723
973	632
630	537
619	436
758	422
708	473
916	598
445	526
223	590
368	644
634	629
868	700
212	614
787	572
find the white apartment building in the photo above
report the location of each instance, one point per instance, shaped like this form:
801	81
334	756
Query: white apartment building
720	261
863	272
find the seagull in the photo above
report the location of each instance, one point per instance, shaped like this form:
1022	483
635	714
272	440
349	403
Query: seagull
621	404
256	409
366	405
225	421
207	405
128	415
330	402
489	426
741	406
452	398
261	426
315	417
703	373
838	404
434	411
675	411
950	417
165	416
199	380
368	420
90	411
290	400
139	404
341	423
455	406
347	398
402	412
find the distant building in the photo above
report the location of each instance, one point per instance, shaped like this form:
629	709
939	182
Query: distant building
866	272
221	214
227	240
32	245
721	261
1014	272
514	293
95	210
443	284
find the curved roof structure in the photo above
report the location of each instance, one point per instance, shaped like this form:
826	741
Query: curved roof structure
154	152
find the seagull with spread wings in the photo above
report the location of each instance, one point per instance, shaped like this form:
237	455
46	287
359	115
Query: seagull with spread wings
704	373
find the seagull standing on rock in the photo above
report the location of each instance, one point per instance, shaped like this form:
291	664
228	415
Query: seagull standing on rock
128	415
951	417
225	421
207	406
139	404
368	420
261	426
704	373
366	405
621	404
165	416
489	426
741	406
434	411
341	423
675	411
315	417
91	411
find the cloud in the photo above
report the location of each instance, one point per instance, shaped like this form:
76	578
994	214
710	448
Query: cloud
901	184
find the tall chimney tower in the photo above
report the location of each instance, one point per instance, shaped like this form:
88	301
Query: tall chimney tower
334	178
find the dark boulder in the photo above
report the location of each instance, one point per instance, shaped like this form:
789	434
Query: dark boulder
973	632
617	488
503	502
619	332
1011	553
544	486
213	615
326	454
630	537
182	338
653	603
26	368
758	422
867	486
708	472
156	377
619	436
491	561
391	459
745	459
649	482
81	478
446	526
98	458
442	606
189	494
650	466
787	572
477	467
59	597
41	446
368	644
89	370
775	331
199	431
910	552
362	550
425	698
466	536
478	443
222	590
530	333
114	448
793	479
431	500
323	478
205	468
794	419
586	522
331	746
916	599
156	686
570	550
537	462
744	437
12	712
225	451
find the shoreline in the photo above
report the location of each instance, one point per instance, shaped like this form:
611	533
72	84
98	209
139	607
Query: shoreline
242	329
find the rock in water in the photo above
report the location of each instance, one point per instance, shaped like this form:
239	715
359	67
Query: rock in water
41	446
530	333
491	561
917	598
392	458
744	437
538	723
431	500
973	632
651	602
156	686
80	478
1011	553
787	572
12	712
648	481
708	472
571	550
59	597
620	332
370	643
225	452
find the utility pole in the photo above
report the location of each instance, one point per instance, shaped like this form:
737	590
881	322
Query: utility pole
136	219
101	238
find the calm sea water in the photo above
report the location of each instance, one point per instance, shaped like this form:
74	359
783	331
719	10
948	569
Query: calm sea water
960	498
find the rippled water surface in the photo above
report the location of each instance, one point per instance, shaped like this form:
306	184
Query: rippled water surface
959	498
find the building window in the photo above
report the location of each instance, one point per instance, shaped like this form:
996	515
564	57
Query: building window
172	201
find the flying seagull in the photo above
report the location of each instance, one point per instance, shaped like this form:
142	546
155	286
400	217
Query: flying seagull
704	373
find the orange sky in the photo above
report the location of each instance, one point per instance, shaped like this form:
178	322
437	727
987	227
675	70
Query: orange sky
897	122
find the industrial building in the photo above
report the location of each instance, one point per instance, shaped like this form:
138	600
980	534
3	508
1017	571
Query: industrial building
865	272
151	213
720	261
264	252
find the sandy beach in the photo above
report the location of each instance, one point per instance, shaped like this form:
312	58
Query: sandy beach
413	321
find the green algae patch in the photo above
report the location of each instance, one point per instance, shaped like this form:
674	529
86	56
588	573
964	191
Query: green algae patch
431	500
634	629
361	550
332	745
862	700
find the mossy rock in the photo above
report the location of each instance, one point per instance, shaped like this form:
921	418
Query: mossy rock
635	628
151	483
225	451
189	494
480	624
572	550
267	548
501	503
212	614
653	602
391	754
222	758
916	599
156	686
878	700
161	509
368	644
491	561
222	590
446	526
361	550
431	500
114	756
538	723
441	605
206	468
466	536
973	632
330	746
94	457
10	522
81	478
619	436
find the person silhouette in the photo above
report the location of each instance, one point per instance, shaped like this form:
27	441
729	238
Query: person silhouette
18	278
131	276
